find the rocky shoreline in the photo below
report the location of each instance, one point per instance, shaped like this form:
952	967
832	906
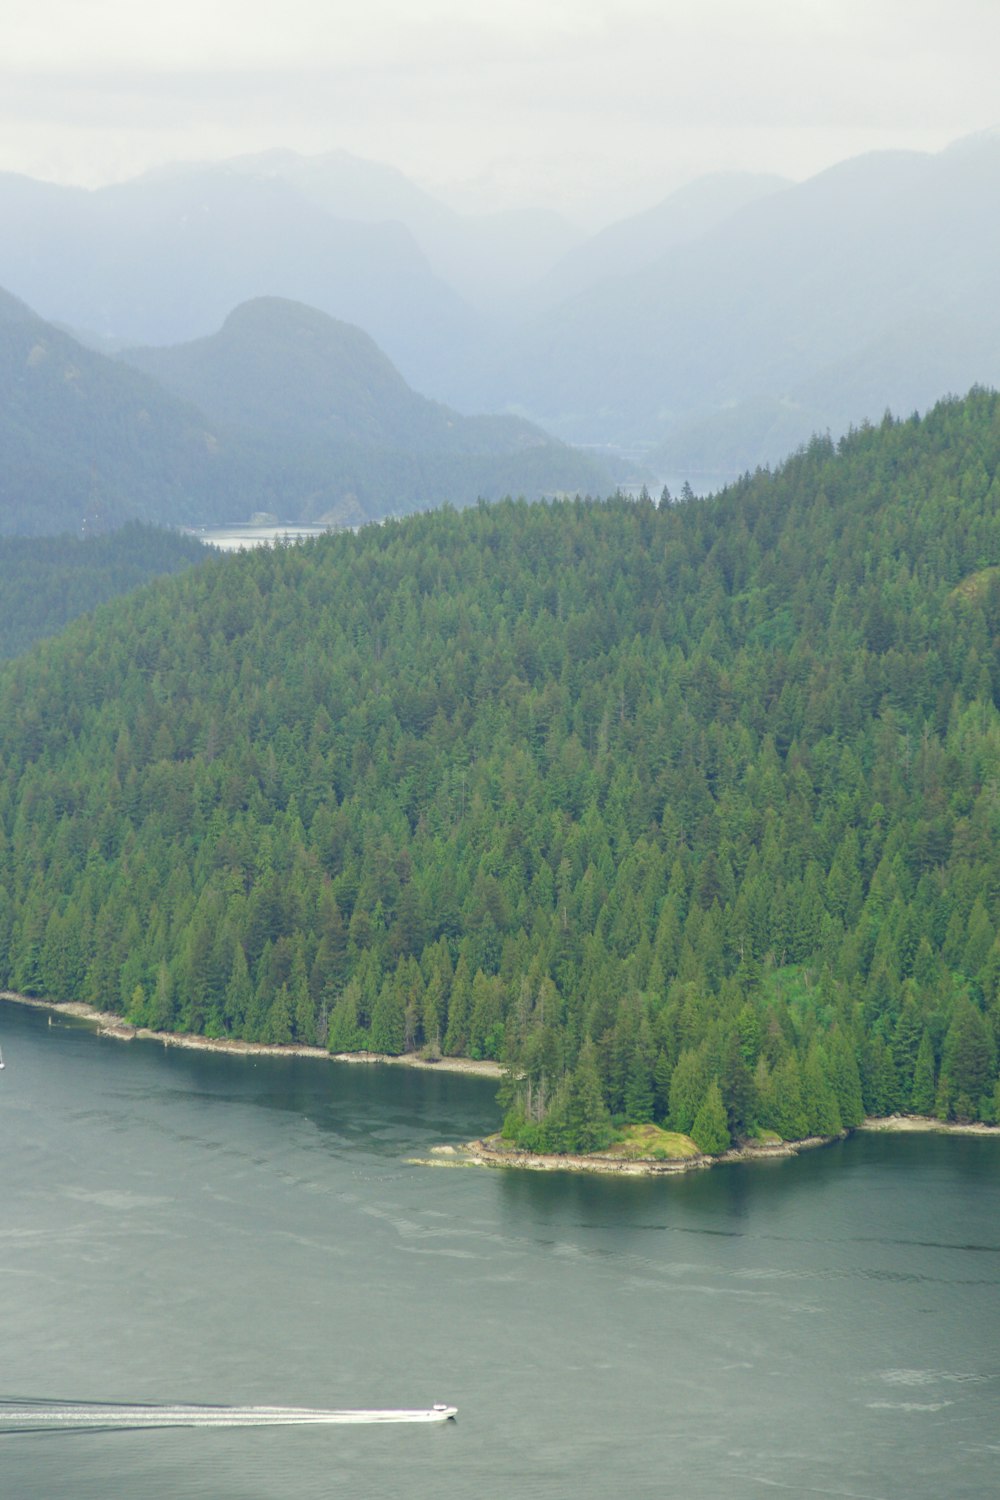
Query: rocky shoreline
111	1025
490	1152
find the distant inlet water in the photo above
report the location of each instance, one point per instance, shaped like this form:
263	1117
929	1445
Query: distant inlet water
236	538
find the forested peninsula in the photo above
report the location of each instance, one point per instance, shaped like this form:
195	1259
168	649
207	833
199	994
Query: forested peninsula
687	813
46	581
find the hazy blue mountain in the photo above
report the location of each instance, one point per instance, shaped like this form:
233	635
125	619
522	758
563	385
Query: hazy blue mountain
874	284
633	243
716	331
279	367
165	257
303	389
87	443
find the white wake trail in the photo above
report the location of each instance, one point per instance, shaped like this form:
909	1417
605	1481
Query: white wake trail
42	1416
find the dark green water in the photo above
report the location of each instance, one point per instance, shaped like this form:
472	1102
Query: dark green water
180	1227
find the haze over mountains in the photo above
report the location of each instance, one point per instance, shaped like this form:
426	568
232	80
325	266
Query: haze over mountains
717	331
631	244
487	258
874	284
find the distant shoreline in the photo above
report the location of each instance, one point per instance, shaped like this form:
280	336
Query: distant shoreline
111	1025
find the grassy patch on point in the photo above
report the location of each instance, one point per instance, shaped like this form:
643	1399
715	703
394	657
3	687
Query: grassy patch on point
650	1143
974	587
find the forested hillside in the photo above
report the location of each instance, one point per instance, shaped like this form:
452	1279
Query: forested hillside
47	581
689	813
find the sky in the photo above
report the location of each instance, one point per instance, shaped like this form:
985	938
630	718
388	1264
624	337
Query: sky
594	107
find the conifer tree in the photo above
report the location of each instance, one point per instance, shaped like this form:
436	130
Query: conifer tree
239	992
388	1026
710	1131
845	1080
278	1028
789	1119
344	1032
687	1089
923	1091
587	1118
819	1099
457	1036
969	1060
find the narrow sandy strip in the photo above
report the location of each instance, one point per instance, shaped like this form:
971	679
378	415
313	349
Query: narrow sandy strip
115	1026
906	1124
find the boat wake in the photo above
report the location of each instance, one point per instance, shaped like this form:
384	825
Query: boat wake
20	1414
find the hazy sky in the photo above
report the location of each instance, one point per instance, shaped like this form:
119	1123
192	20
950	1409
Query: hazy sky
594	106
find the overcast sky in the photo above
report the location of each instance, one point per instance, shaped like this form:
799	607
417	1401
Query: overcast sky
594	106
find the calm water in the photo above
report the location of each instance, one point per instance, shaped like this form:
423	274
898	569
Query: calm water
177	1227
238	538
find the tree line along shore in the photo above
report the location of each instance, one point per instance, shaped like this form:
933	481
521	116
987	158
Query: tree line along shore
638	1152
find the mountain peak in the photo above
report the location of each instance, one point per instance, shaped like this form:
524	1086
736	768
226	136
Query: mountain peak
280	365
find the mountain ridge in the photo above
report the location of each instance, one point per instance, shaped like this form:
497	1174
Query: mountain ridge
280	366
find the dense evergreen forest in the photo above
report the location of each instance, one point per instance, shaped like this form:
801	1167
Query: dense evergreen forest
47	581
689	813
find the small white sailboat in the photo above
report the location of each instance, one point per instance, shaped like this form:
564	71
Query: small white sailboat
2	1063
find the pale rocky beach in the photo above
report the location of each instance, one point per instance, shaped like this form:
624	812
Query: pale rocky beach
111	1025
489	1152
927	1123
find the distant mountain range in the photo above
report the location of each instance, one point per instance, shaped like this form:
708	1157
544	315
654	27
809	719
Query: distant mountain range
636	242
283	410
167	258
717	330
874	285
